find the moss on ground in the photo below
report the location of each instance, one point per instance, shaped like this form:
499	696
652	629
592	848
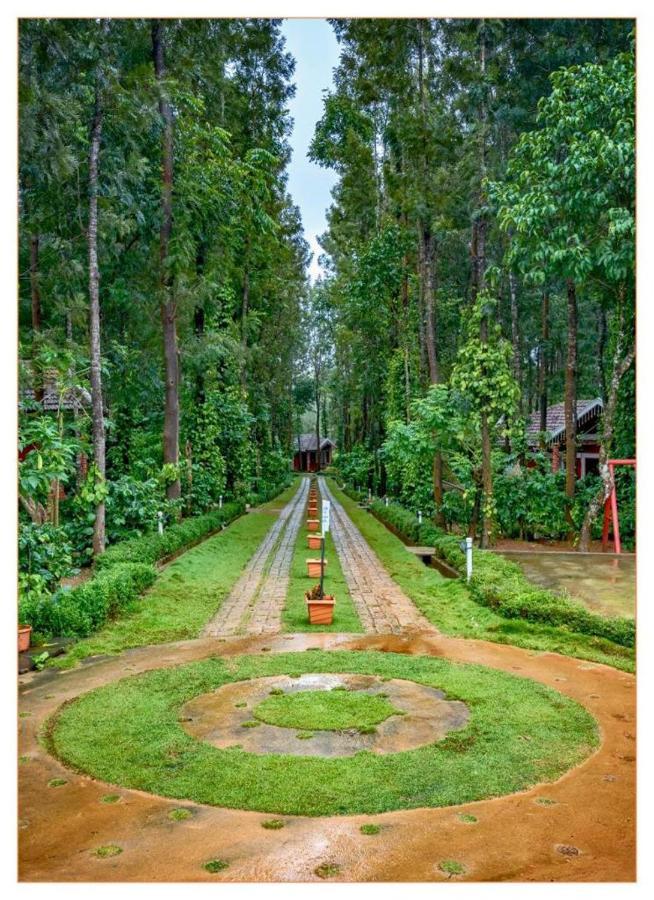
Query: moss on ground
447	603
188	592
140	715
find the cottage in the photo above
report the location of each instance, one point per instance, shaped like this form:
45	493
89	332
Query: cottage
589	414
306	456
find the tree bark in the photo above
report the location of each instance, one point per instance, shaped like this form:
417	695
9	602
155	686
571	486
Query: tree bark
515	330
479	276
168	307
571	402
94	323
198	322
543	353
621	364
36	306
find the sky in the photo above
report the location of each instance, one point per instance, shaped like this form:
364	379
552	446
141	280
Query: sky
315	49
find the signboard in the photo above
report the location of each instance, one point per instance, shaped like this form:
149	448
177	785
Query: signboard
326	505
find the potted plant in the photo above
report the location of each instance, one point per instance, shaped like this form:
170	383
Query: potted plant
24	636
314	541
314	566
320	606
313	524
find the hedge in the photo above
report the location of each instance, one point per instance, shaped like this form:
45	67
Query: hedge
78	611
152	547
502	585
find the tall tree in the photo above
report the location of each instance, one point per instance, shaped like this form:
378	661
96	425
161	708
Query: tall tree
168	304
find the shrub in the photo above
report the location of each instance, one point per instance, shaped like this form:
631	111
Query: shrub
152	547
77	612
44	550
501	585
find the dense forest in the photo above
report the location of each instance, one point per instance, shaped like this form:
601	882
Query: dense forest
480	253
479	266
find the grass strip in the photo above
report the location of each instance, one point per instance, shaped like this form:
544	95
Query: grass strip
188	591
295	616
520	733
448	605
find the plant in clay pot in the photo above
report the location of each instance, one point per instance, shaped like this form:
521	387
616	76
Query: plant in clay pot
314	541
314	566
313	524
320	606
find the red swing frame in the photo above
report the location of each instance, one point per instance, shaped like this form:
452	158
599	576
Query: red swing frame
611	508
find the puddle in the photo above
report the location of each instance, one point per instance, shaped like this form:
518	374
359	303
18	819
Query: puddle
605	585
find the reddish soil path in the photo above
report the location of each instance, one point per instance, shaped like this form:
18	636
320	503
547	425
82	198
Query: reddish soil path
586	834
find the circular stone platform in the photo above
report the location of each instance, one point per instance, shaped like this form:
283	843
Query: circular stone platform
226	717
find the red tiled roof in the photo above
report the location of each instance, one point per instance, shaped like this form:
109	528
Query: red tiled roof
556	420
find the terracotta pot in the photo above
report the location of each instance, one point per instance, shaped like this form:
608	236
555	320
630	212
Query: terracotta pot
24	634
321	612
314	541
313	568
312	511
313	524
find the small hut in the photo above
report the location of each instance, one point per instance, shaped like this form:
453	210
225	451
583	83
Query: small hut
306	453
589	415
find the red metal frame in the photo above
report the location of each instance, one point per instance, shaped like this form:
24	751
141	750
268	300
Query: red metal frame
611	507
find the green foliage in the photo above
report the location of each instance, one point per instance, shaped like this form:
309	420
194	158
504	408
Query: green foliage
150	548
76	612
45	552
356	466
501	585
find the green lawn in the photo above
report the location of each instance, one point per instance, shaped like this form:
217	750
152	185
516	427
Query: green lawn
520	733
295	616
189	590
331	710
447	603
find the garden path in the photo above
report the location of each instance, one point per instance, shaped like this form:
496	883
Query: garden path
382	606
254	605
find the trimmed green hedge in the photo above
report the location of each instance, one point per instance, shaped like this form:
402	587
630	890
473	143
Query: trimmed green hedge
77	612
502	585
150	548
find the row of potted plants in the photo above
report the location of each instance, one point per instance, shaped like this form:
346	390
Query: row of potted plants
320	606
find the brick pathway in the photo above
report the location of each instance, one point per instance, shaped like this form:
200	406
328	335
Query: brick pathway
255	603
381	605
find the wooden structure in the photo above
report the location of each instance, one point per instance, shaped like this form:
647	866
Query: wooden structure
589	415
611	508
305	458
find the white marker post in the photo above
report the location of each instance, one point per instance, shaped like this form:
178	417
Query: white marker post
324	524
160	522
466	547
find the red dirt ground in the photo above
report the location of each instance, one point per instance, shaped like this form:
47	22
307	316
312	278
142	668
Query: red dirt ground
586	834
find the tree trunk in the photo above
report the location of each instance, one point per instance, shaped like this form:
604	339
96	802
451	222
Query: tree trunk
543	353
168	307
94	324
198	322
601	350
36	306
621	364
479	275
515	332
317	395
571	403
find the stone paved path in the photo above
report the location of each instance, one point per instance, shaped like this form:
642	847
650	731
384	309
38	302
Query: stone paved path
255	603
382	606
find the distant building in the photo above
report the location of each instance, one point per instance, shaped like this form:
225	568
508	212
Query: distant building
306	455
589	415
55	398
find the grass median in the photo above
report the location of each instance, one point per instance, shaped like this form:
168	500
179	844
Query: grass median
188	591
448	605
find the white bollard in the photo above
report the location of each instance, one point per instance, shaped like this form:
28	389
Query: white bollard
468	558
160	523
386	500
220	502
419	517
